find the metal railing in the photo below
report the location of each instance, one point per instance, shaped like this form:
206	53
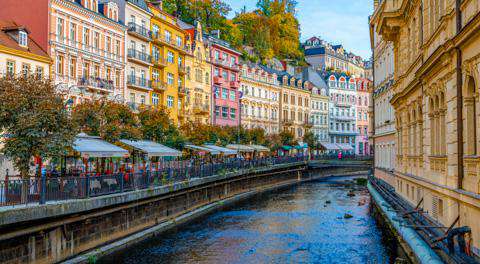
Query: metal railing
96	83
140	30
139	81
44	189
139	55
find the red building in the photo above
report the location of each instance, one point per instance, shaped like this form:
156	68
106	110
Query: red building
226	82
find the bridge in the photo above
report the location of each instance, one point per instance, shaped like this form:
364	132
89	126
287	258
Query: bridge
76	228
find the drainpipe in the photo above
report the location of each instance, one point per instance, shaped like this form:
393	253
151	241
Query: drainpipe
458	18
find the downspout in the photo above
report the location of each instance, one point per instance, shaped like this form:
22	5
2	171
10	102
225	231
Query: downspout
458	18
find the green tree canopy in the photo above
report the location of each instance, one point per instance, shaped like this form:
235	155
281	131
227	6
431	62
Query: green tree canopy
157	126
110	120
35	121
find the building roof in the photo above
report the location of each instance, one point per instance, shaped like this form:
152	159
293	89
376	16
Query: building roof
141	4
9	42
311	75
315	51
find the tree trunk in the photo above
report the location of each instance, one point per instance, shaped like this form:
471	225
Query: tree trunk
25	186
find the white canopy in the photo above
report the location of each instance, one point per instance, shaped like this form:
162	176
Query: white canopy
152	149
95	147
330	146
204	149
259	148
240	148
344	146
225	151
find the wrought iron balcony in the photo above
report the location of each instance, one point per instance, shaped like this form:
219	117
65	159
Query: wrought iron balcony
159	85
139	82
140	31
139	56
96	83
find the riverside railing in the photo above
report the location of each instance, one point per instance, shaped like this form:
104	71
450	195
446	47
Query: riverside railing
45	189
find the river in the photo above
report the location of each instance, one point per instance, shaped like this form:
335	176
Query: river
301	224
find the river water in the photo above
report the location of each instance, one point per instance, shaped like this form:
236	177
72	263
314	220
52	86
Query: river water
293	225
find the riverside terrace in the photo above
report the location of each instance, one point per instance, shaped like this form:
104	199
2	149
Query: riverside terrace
41	190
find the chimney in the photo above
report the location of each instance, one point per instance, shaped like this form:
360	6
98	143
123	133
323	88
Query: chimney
216	33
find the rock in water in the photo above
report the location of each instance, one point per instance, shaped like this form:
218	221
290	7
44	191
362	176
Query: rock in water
347	216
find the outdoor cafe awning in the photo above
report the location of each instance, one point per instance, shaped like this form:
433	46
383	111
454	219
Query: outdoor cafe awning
152	149
240	148
224	151
330	146
344	146
259	148
95	147
202	149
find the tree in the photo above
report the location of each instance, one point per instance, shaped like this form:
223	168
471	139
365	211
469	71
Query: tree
110	120
157	126
287	138
35	122
311	140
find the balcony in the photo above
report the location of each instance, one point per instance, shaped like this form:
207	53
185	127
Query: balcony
227	64
235	84
389	17
159	62
218	80
140	57
343	133
139	31
201	109
343	104
287	122
343	118
182	69
159	85
182	91
139	82
161	39
96	84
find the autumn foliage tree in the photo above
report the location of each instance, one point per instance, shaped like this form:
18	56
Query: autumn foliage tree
34	121
108	119
157	126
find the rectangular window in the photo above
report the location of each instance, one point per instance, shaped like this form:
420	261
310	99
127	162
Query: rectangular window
117	47
117	78
179	41
142	99
224	93
73	32
154	99
225	112
86	36
73	68
109	45
132	98
25	70
170	57
170	78
96	40
59	65
22	38
169	101
232	95
60	28
217	111
168	36
232	113
39	72
225	75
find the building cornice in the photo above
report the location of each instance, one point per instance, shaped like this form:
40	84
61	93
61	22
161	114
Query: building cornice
25	54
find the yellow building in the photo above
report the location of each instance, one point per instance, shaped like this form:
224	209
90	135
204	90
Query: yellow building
436	49
198	77
169	48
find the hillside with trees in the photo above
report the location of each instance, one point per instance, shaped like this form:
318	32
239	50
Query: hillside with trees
270	31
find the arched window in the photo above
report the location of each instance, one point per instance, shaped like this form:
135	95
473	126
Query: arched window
332	81
470	103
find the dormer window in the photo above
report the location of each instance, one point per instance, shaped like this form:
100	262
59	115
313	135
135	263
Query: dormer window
23	38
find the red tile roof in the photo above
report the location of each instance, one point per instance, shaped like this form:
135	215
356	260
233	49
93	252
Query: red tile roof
8	41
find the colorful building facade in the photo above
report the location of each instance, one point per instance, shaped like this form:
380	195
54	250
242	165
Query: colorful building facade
226	82
363	120
169	49
198	78
436	51
85	40
260	98
343	110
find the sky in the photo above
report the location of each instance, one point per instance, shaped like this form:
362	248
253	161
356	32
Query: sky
336	21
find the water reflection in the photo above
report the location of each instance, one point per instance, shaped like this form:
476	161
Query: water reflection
289	226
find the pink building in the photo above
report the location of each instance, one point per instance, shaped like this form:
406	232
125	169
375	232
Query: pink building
84	38
226	83
363	102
